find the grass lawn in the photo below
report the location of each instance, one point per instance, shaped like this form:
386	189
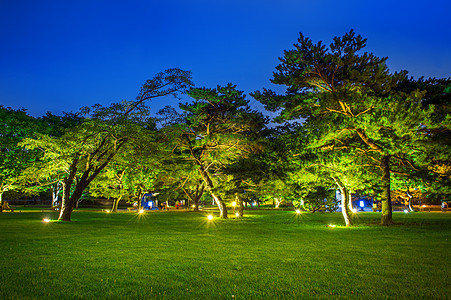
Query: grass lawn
265	255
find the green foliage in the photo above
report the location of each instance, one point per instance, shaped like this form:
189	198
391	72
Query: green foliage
220	128
83	152
15	125
351	103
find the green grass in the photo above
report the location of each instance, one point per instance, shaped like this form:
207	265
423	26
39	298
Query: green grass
266	255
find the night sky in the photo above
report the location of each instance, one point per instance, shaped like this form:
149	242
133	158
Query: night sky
61	55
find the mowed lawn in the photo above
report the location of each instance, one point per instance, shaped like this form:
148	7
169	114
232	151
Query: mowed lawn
265	255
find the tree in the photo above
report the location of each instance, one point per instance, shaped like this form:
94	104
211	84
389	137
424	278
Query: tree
352	96
15	125
435	174
38	176
87	149
219	128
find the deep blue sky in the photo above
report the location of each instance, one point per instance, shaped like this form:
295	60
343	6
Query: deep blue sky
60	55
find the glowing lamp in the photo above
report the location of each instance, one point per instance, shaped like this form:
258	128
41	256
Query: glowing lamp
233	203
141	211
298	211
332	226
406	211
46	220
354	210
237	215
210	217
107	211
194	206
362	203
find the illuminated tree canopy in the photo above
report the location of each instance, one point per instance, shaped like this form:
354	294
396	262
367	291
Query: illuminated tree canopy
351	125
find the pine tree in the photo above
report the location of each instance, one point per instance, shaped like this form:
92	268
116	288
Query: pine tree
351	96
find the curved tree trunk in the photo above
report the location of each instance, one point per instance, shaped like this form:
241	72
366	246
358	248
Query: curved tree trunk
344	201
209	185
410	199
351	208
386	218
221	205
278	201
116	204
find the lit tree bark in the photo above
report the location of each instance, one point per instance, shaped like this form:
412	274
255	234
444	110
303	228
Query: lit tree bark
56	189
278	201
116	204
240	206
410	199
209	185
386	197
344	201
349	201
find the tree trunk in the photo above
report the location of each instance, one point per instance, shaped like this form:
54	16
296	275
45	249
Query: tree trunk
56	189
410	199
386	218
240	208
196	197
238	211
64	207
115	204
351	208
196	206
221	205
344	201
209	185
71	201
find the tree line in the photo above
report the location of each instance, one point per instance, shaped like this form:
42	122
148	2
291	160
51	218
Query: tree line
344	122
